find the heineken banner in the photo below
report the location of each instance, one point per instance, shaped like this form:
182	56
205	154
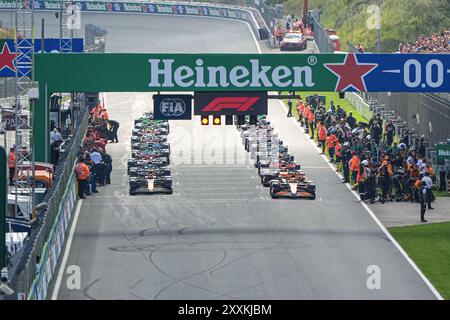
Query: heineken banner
443	152
244	72
139	7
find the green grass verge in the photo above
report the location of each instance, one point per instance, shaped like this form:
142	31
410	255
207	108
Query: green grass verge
428	245
332	96
442	194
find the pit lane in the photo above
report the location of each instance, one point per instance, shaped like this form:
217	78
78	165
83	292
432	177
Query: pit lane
219	235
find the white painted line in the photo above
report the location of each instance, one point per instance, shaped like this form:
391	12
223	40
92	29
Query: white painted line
392	71
62	267
254	37
372	214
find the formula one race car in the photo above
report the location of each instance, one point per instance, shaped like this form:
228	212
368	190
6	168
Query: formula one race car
292	188
147	164
150	184
139	146
150	152
276	167
149	171
269	174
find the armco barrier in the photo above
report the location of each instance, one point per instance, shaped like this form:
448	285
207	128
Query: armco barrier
55	244
165	8
34	265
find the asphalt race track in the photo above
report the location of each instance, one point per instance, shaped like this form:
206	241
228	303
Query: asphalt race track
220	236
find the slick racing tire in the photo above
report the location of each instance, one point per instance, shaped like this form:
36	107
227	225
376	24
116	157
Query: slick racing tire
274	196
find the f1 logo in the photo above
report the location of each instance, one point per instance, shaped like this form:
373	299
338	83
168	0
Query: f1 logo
240	104
230	103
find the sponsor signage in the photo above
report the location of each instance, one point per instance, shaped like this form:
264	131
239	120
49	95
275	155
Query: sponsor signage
246	72
8	53
443	152
9	120
172	107
230	103
139	7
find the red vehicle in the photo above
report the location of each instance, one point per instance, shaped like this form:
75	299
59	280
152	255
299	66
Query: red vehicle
294	42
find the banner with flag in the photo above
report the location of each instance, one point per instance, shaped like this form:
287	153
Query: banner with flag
8	53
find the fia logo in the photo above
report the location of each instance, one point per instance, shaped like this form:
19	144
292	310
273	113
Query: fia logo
172	107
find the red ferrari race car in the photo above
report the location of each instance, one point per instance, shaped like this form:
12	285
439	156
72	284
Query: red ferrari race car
294	42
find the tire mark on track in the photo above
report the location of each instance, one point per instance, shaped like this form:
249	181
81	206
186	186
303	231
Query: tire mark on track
183	280
88	287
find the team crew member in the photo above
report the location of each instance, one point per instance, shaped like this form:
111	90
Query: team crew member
354	164
338	150
428	186
306	117
346	157
423	200
311	122
322	136
104	115
82	172
384	175
107	161
99	167
300	109
361	179
114	127
290	108
11	165
331	145
370	184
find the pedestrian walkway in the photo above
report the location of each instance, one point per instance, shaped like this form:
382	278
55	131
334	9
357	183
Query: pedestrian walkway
399	214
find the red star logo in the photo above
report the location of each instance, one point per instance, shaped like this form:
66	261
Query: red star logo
7	58
351	73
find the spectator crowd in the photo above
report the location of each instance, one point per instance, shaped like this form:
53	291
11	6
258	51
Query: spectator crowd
436	43
94	165
370	155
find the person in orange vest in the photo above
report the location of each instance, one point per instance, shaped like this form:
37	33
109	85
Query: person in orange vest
82	173
311	123
338	151
306	116
384	179
300	107
331	145
95	112
354	166
322	131
11	165
104	115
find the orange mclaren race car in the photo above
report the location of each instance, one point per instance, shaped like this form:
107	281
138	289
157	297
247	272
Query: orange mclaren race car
295	188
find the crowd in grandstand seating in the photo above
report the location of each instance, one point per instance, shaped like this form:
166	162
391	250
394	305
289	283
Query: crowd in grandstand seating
367	153
436	43
94	164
